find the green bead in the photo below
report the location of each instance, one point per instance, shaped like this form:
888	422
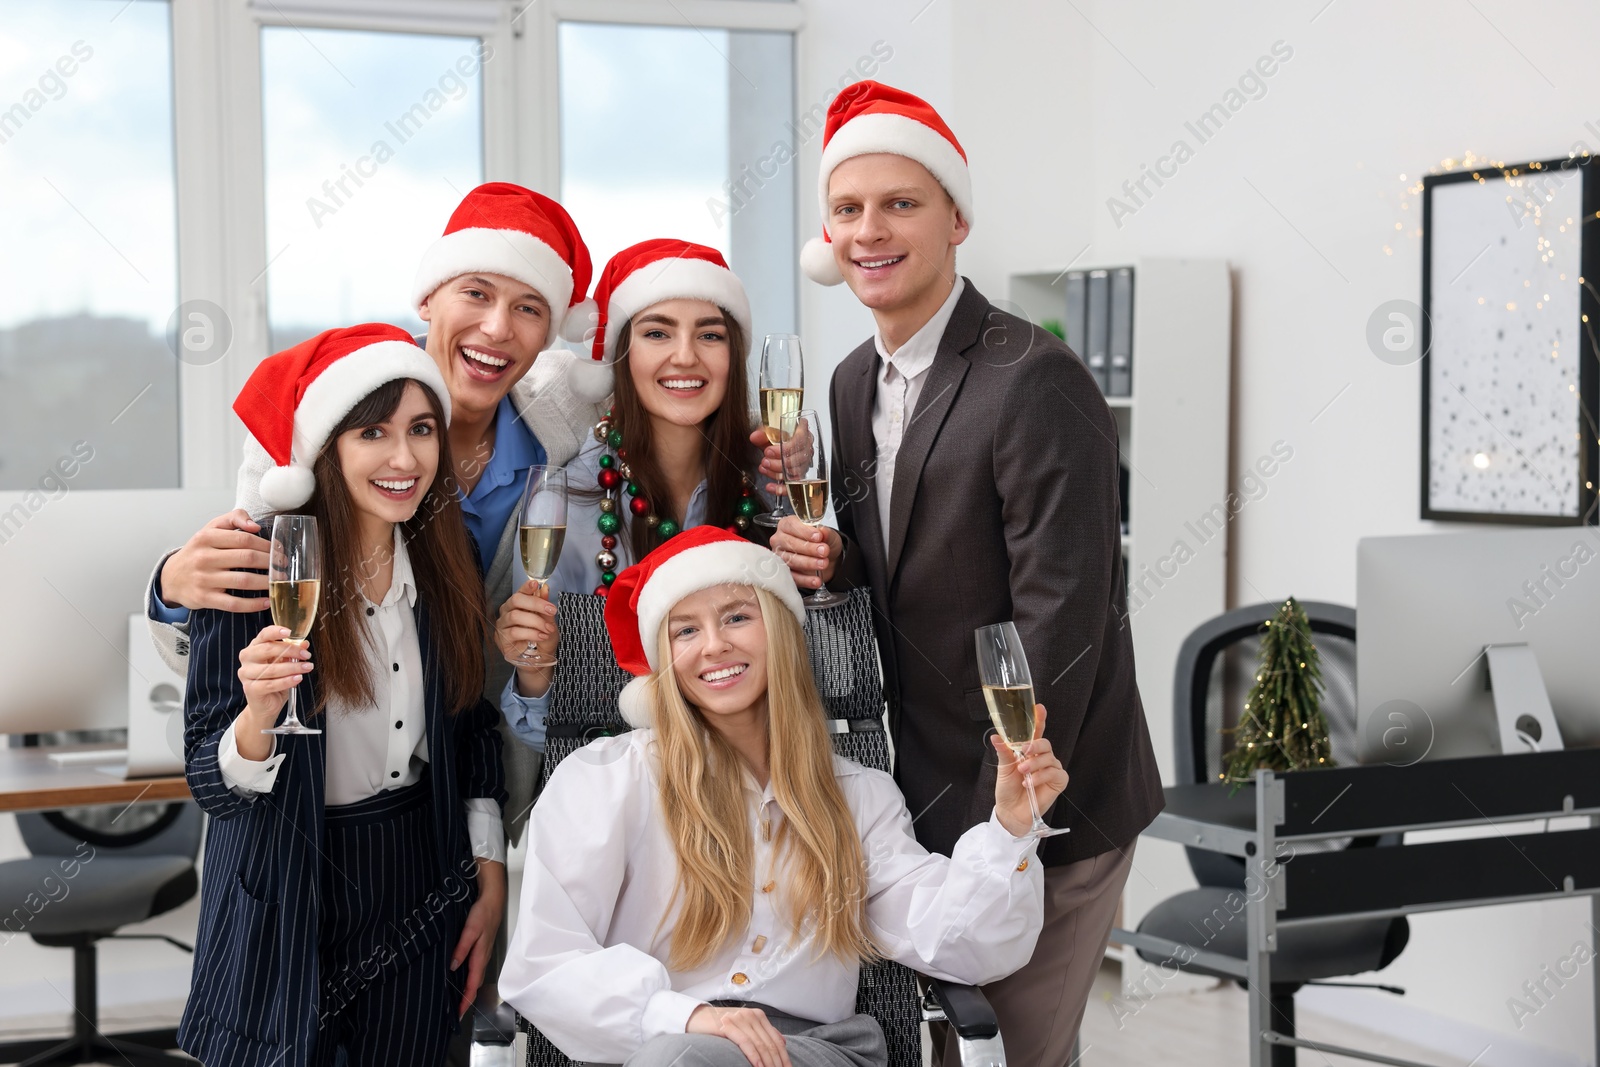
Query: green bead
666	528
633	489
614	438
609	523
606	461
747	506
608	577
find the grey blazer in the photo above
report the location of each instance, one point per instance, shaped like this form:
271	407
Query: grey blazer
1004	506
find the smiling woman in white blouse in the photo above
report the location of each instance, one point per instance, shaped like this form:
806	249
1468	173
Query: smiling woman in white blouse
354	876
703	890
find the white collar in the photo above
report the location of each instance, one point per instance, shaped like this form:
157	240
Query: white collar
401	582
917	354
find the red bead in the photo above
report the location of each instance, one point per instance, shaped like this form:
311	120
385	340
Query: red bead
609	479
622	453
608	542
639	505
602	589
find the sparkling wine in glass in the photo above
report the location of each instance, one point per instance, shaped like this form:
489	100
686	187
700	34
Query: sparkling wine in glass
805	476
541	531
1008	690
294	585
782	387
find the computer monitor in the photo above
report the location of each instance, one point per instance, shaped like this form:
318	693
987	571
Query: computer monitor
73	568
1432	613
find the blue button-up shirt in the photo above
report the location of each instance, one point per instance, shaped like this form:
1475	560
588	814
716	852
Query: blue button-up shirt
498	493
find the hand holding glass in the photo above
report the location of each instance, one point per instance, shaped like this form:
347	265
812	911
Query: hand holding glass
294	585
1008	690
541	531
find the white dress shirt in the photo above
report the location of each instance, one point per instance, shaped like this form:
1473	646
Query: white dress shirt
587	963
385	746
899	385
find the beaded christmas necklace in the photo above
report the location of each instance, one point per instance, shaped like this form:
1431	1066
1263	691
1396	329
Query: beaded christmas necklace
615	476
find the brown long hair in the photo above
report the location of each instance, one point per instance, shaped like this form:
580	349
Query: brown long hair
442	562
728	453
701	791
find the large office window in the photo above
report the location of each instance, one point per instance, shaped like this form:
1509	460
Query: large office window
683	132
88	270
370	139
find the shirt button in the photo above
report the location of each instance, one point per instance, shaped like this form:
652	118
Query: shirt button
740	978
396	774
397	666
398	723
769	887
372	611
1023	865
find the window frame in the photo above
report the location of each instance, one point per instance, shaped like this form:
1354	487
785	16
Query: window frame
219	164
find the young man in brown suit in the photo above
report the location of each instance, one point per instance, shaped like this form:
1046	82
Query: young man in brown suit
975	481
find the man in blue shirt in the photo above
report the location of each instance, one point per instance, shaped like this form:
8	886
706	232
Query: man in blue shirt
494	289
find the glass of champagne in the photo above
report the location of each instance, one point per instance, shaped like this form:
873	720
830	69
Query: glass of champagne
1008	690
294	585
805	476
783	379
541	531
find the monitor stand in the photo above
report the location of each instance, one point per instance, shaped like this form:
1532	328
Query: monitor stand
1521	704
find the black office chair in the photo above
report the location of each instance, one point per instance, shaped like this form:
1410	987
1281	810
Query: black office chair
844	658
1216	667
93	871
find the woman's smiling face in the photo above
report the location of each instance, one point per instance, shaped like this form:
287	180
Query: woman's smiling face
719	650
678	356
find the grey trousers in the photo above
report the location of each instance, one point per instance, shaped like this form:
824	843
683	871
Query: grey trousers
853	1042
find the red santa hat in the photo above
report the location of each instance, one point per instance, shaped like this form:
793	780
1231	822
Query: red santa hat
638	276
869	117
642	595
500	228
293	400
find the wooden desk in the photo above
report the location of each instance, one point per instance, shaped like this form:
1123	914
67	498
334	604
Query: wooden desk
29	781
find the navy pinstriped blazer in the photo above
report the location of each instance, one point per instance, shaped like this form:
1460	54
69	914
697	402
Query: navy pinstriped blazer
255	993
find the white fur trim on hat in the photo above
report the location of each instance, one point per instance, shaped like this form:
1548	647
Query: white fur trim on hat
510	252
900	136
816	259
675	279
634	702
701	567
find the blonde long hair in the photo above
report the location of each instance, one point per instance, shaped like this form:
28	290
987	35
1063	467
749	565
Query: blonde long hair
817	849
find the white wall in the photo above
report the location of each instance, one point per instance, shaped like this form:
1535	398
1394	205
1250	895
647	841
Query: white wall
1059	104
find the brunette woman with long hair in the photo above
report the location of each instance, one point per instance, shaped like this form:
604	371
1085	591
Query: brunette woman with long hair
702	891
352	872
674	452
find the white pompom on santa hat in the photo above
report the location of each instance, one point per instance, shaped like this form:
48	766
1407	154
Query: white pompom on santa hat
294	399
641	275
501	228
639	600
869	117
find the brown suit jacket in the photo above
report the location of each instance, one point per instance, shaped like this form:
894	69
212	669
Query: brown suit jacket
1004	507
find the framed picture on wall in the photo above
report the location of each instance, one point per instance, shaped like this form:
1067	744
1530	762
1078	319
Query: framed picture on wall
1511	290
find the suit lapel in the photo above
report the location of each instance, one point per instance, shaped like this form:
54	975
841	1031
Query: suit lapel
855	435
933	404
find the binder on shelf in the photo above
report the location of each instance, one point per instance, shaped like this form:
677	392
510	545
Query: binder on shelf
1119	377
1077	309
1098	328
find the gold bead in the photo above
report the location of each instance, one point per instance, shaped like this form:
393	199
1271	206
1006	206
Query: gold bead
608	505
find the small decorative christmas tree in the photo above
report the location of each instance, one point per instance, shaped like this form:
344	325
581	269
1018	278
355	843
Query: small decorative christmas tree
1282	727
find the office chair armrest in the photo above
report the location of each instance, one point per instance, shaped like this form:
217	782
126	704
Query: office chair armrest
494	1026
964	1006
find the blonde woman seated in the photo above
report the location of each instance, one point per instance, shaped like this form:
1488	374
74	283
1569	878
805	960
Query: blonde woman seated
702	891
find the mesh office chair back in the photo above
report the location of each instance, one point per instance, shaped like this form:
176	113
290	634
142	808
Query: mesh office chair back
844	659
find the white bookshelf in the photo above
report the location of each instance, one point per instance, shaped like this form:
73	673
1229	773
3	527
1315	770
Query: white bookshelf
1175	443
